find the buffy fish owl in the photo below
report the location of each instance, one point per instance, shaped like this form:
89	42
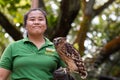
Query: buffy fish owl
70	56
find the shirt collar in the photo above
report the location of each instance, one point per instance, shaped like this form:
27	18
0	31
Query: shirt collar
26	40
47	41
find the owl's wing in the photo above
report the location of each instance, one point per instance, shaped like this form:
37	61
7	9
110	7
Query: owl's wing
62	51
71	51
74	54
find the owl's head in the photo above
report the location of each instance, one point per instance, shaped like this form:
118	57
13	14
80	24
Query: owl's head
59	40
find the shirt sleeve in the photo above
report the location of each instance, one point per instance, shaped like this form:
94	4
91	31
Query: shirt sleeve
6	58
62	64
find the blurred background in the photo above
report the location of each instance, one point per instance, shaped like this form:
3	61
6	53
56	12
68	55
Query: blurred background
92	26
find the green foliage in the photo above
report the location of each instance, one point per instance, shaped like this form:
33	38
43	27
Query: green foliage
4	39
111	65
105	27
52	20
14	11
52	8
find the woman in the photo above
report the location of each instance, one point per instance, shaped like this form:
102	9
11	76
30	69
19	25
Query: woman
31	58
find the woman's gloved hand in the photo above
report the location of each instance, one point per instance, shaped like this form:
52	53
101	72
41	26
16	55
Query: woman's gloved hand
62	74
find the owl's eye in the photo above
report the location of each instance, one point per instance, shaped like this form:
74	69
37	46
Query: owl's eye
59	40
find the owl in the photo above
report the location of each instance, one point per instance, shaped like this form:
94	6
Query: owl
70	56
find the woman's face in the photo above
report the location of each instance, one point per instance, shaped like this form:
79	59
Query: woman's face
36	23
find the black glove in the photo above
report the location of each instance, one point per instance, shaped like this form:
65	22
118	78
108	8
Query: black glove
62	74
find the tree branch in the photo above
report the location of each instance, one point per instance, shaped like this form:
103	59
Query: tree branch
9	28
89	8
102	77
100	9
110	48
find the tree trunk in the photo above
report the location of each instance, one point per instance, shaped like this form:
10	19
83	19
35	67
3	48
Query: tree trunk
68	12
37	4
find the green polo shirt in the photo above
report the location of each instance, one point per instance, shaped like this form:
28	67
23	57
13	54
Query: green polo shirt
27	62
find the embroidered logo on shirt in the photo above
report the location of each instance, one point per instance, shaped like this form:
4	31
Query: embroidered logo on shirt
50	51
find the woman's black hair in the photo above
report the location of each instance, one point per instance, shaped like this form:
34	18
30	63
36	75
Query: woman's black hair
26	15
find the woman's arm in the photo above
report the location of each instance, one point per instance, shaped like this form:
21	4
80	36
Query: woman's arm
4	73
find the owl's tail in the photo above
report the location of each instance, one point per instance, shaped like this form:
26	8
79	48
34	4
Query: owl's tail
83	74
82	69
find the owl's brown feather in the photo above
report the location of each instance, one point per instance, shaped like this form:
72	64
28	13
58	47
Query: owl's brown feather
70	56
70	63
